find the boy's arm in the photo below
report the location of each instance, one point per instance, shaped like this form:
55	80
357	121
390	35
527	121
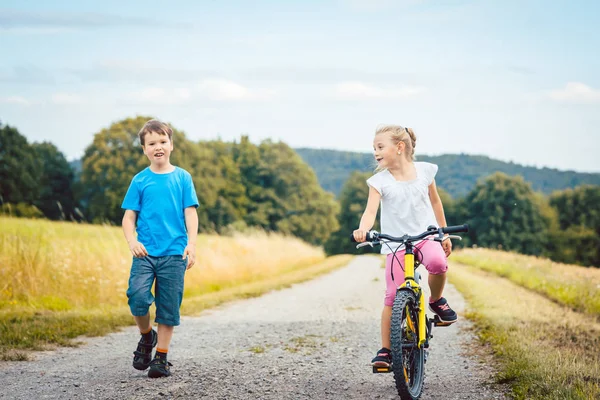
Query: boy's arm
128	223
191	224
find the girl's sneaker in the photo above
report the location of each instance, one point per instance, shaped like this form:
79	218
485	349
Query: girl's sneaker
383	358
441	308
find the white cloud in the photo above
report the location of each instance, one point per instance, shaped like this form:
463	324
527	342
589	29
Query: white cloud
224	90
66	99
575	92
15	100
359	90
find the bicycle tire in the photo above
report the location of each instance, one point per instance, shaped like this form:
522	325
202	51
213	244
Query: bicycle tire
408	359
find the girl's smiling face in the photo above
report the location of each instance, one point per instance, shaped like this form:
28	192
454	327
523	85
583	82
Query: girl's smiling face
384	150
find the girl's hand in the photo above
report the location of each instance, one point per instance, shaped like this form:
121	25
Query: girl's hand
447	246
190	253
359	235
137	249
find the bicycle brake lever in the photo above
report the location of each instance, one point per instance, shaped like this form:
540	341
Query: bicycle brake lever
363	244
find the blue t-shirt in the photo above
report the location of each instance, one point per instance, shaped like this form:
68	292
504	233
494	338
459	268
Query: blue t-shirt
160	201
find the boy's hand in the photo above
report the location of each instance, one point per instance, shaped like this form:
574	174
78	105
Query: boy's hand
447	246
137	249
190	253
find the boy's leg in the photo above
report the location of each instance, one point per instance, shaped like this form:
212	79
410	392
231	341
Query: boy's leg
165	333
140	298
143	323
170	274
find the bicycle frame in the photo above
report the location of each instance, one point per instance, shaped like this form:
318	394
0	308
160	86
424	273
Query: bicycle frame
412	284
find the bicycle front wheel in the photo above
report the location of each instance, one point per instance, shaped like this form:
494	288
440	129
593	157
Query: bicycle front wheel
408	359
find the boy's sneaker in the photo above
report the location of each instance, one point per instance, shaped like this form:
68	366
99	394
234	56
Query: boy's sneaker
443	310
143	354
383	358
159	367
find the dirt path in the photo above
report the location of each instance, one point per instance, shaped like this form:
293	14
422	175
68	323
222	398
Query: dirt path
311	341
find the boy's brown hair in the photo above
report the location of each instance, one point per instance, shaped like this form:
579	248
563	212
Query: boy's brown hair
155	126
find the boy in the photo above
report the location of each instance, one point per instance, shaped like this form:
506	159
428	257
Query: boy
162	200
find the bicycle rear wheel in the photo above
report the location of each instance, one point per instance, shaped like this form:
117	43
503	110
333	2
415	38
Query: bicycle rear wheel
408	358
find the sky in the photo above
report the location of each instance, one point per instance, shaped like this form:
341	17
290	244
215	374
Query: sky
515	80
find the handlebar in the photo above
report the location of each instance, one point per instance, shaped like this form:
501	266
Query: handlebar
374	236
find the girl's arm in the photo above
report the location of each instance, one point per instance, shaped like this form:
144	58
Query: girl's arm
440	217
438	207
368	218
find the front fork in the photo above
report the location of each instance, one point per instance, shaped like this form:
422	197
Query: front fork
413	284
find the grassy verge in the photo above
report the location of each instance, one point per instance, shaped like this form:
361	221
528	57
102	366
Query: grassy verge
60	266
574	286
546	350
23	329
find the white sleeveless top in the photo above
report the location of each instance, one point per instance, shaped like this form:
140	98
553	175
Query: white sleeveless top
405	205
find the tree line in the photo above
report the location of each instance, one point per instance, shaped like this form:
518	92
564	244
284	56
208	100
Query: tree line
241	185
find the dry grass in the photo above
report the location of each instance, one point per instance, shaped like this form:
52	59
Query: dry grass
571	285
62	280
547	351
61	266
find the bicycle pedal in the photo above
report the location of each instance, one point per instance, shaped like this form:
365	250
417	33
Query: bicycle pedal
382	370
438	322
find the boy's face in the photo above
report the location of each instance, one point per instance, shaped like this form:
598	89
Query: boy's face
158	148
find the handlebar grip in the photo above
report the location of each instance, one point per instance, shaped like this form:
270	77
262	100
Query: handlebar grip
370	236
456	229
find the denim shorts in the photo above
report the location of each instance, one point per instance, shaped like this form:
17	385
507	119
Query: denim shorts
169	273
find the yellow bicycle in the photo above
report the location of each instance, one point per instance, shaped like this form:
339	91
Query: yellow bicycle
411	329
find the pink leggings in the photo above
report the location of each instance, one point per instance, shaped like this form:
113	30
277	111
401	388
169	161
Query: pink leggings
431	255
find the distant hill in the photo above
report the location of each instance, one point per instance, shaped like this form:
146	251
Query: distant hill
457	175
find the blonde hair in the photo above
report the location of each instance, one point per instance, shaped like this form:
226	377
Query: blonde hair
154	126
400	134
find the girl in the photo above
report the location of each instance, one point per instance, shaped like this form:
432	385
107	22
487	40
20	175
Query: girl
409	204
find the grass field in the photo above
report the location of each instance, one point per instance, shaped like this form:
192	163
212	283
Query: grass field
547	340
60	280
573	286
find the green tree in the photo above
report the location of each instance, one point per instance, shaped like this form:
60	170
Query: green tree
297	203
20	170
504	213
56	198
353	200
576	239
579	206
283	192
219	185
